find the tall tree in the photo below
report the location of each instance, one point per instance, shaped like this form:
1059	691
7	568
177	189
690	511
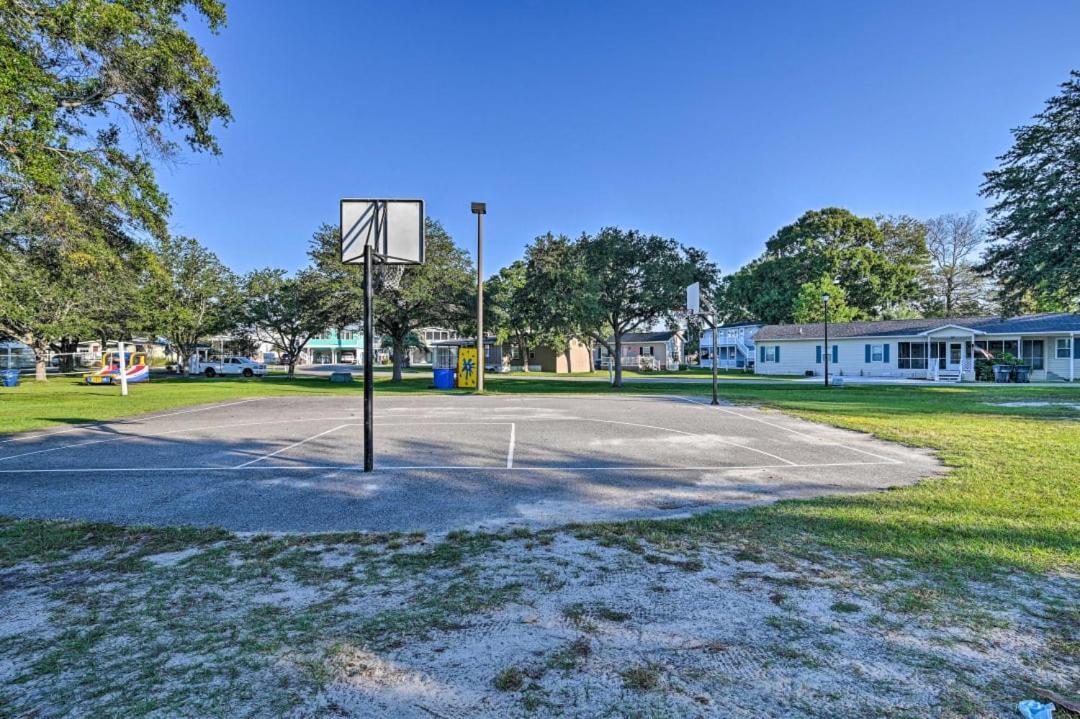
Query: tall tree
877	272
953	287
554	274
506	309
438	292
631	280
810	302
195	295
1035	215
91	91
41	299
286	311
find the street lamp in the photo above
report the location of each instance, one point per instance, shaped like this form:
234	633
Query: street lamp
825	304
480	209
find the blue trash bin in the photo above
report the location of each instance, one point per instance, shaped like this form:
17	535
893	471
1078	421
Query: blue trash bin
444	379
10	377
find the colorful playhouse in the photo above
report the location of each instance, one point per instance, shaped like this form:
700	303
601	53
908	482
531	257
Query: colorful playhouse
137	368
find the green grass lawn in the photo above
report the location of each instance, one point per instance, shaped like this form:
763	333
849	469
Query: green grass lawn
1012	498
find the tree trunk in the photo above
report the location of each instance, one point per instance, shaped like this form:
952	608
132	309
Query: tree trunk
569	360
618	360
39	368
524	354
292	366
399	350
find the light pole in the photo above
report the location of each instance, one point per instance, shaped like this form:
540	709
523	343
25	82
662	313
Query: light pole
480	209
825	303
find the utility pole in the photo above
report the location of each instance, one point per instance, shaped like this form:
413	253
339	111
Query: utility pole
715	398
480	209
825	302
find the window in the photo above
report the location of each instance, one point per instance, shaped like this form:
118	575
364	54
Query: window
998	347
876	353
1063	348
346	334
911	355
770	354
1032	353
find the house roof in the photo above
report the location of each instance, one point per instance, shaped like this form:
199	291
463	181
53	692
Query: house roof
646	336
1026	324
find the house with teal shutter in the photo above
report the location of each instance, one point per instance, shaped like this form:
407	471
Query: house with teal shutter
944	350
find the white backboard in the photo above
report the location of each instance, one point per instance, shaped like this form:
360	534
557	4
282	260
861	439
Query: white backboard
393	228
693	299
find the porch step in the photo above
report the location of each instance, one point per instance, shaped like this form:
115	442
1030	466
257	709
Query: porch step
949	375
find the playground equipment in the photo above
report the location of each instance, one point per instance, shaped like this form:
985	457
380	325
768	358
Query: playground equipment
136	368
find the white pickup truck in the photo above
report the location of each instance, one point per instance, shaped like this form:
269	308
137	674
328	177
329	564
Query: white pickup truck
227	366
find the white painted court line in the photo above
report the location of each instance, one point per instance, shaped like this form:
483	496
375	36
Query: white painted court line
510	451
470	468
129	420
689	434
294	444
151	435
788	429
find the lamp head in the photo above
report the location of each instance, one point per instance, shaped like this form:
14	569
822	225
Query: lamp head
479	208
825	297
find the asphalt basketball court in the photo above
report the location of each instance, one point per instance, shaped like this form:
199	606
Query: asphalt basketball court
442	462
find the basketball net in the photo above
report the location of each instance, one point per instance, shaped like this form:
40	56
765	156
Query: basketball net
388	277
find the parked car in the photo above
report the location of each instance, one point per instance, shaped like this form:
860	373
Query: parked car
228	366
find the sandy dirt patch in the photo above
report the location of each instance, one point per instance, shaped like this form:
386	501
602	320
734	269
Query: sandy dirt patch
524	624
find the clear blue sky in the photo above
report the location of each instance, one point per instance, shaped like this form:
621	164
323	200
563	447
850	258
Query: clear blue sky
714	123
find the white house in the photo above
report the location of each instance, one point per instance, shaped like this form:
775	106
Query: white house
658	350
937	349
735	345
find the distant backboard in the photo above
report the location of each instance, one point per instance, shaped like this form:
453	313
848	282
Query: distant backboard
394	229
693	299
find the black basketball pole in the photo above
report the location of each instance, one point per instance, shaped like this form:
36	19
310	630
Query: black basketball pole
369	360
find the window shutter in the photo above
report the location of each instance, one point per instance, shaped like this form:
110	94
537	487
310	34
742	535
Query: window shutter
1076	347
836	354
819	354
763	353
777	353
867	354
885	350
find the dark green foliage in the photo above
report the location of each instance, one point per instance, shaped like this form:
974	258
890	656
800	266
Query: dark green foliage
91	92
1035	218
878	271
631	281
194	293
287	311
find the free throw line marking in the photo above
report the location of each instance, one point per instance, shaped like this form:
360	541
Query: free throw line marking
510	450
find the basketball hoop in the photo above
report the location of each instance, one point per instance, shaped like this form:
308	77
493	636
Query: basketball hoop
384	236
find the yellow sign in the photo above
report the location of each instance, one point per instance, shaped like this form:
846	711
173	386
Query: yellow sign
466	367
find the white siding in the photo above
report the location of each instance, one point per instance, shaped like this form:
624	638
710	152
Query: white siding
1057	366
799	356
